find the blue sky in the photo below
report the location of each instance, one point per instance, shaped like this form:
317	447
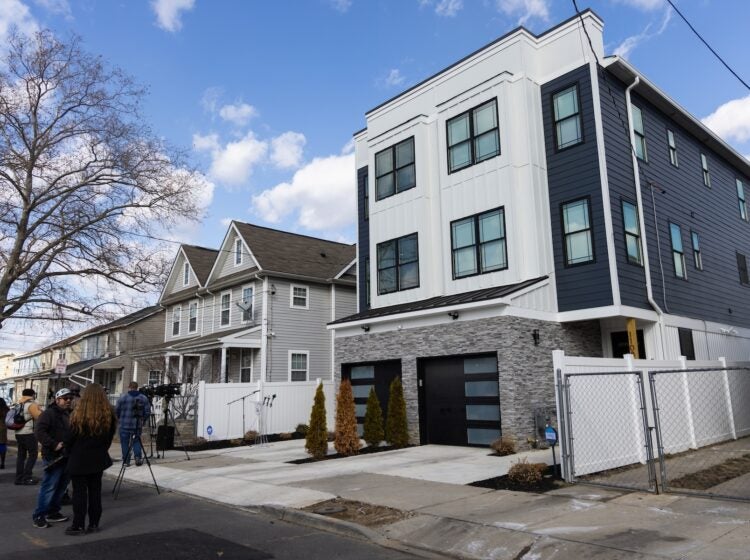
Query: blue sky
265	96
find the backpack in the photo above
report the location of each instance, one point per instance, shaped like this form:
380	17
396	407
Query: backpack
14	419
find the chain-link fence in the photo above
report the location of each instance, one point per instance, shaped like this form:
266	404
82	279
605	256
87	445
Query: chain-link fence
685	430
702	420
605	433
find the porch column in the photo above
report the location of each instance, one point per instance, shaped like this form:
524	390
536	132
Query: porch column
179	368
135	370
223	373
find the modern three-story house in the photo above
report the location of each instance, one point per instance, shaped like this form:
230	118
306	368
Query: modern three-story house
537	195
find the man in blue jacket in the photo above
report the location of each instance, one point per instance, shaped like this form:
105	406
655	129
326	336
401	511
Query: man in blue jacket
133	410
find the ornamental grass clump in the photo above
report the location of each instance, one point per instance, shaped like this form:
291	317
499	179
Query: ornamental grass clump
316	441
346	440
396	428
526	474
373	432
506	445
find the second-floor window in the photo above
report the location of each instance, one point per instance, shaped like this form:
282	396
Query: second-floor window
478	244
176	317
697	258
298	366
578	242
678	254
193	317
395	171
226	300
672	146
632	232
247	305
567	113
185	274
299	297
398	264
237	251
706	172
742	267
473	136
640	134
741	199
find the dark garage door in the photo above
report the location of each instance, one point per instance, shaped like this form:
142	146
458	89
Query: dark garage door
366	376
459	402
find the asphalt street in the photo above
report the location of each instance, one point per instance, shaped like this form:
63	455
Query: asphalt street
141	524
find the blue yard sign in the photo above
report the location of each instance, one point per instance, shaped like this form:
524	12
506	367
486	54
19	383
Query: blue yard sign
209	430
550	434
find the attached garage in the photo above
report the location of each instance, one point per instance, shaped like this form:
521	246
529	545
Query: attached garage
366	376
459	400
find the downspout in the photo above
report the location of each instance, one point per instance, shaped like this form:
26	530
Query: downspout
641	221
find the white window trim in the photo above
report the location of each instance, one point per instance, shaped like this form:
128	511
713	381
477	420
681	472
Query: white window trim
196	316
236	253
185	273
251	364
229	322
179	322
291	296
307	374
252	314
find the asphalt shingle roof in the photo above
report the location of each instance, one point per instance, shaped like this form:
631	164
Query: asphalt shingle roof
201	260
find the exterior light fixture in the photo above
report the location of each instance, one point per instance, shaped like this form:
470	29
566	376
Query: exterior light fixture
366	328
453	315
535	336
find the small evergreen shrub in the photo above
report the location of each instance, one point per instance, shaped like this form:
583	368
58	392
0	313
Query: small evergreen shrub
316	441
373	427
250	435
396	428
524	473
346	439
302	429
506	445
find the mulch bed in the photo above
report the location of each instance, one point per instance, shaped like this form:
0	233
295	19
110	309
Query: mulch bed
713	476
227	443
361	513
548	482
364	451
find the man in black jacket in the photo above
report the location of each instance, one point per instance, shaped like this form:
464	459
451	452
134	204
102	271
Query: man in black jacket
52	429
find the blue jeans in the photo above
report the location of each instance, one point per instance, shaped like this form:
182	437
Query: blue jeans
51	491
125	443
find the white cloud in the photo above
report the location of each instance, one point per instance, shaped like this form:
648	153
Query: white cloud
631	43
394	78
57	7
14	13
341	5
210	99
322	194
731	120
286	149
448	8
226	221
169	13
232	164
524	9
238	114
646	5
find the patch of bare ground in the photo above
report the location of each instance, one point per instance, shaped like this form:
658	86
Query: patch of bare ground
368	515
715	475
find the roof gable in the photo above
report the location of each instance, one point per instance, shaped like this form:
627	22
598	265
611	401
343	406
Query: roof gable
224	265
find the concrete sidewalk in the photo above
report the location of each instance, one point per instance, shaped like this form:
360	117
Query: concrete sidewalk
450	518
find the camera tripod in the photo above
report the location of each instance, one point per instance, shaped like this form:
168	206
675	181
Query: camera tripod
165	430
134	438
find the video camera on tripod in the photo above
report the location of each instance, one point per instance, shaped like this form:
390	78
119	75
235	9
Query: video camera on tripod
166	391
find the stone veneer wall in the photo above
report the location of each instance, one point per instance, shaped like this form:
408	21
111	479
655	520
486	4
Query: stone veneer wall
525	371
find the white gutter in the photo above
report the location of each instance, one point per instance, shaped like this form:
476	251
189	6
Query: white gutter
641	220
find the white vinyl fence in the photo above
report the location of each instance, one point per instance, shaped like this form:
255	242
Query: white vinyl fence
606	412
269	408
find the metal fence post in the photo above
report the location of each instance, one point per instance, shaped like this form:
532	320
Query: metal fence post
646	434
562	425
657	426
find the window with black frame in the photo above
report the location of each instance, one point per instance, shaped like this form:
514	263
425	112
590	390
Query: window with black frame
578	243
697	257
741	199
632	233
473	136
398	264
395	171
742	267
706	172
672	145
567	114
478	244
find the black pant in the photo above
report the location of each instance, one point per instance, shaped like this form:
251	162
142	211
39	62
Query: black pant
87	491
27	452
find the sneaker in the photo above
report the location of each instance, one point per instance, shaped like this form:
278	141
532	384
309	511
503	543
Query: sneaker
93	529
56	517
138	462
31	480
41	523
73	530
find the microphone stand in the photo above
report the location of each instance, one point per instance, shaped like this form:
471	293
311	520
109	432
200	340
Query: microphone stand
243	408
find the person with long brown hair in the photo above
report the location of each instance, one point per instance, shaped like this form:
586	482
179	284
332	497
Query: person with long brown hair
92	427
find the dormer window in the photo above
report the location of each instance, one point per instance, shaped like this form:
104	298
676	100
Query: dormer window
185	274
237	251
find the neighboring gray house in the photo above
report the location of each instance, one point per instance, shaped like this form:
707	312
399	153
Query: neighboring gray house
256	309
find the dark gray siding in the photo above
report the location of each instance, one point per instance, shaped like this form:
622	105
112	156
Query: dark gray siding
573	173
714	294
363	237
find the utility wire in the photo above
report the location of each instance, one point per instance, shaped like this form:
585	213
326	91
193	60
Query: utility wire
679	13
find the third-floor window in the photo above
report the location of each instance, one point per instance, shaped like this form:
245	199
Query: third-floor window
473	136
395	171
568	130
640	134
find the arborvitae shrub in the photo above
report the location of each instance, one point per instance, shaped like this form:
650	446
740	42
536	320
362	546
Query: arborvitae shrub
373	428
346	440
316	441
396	429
